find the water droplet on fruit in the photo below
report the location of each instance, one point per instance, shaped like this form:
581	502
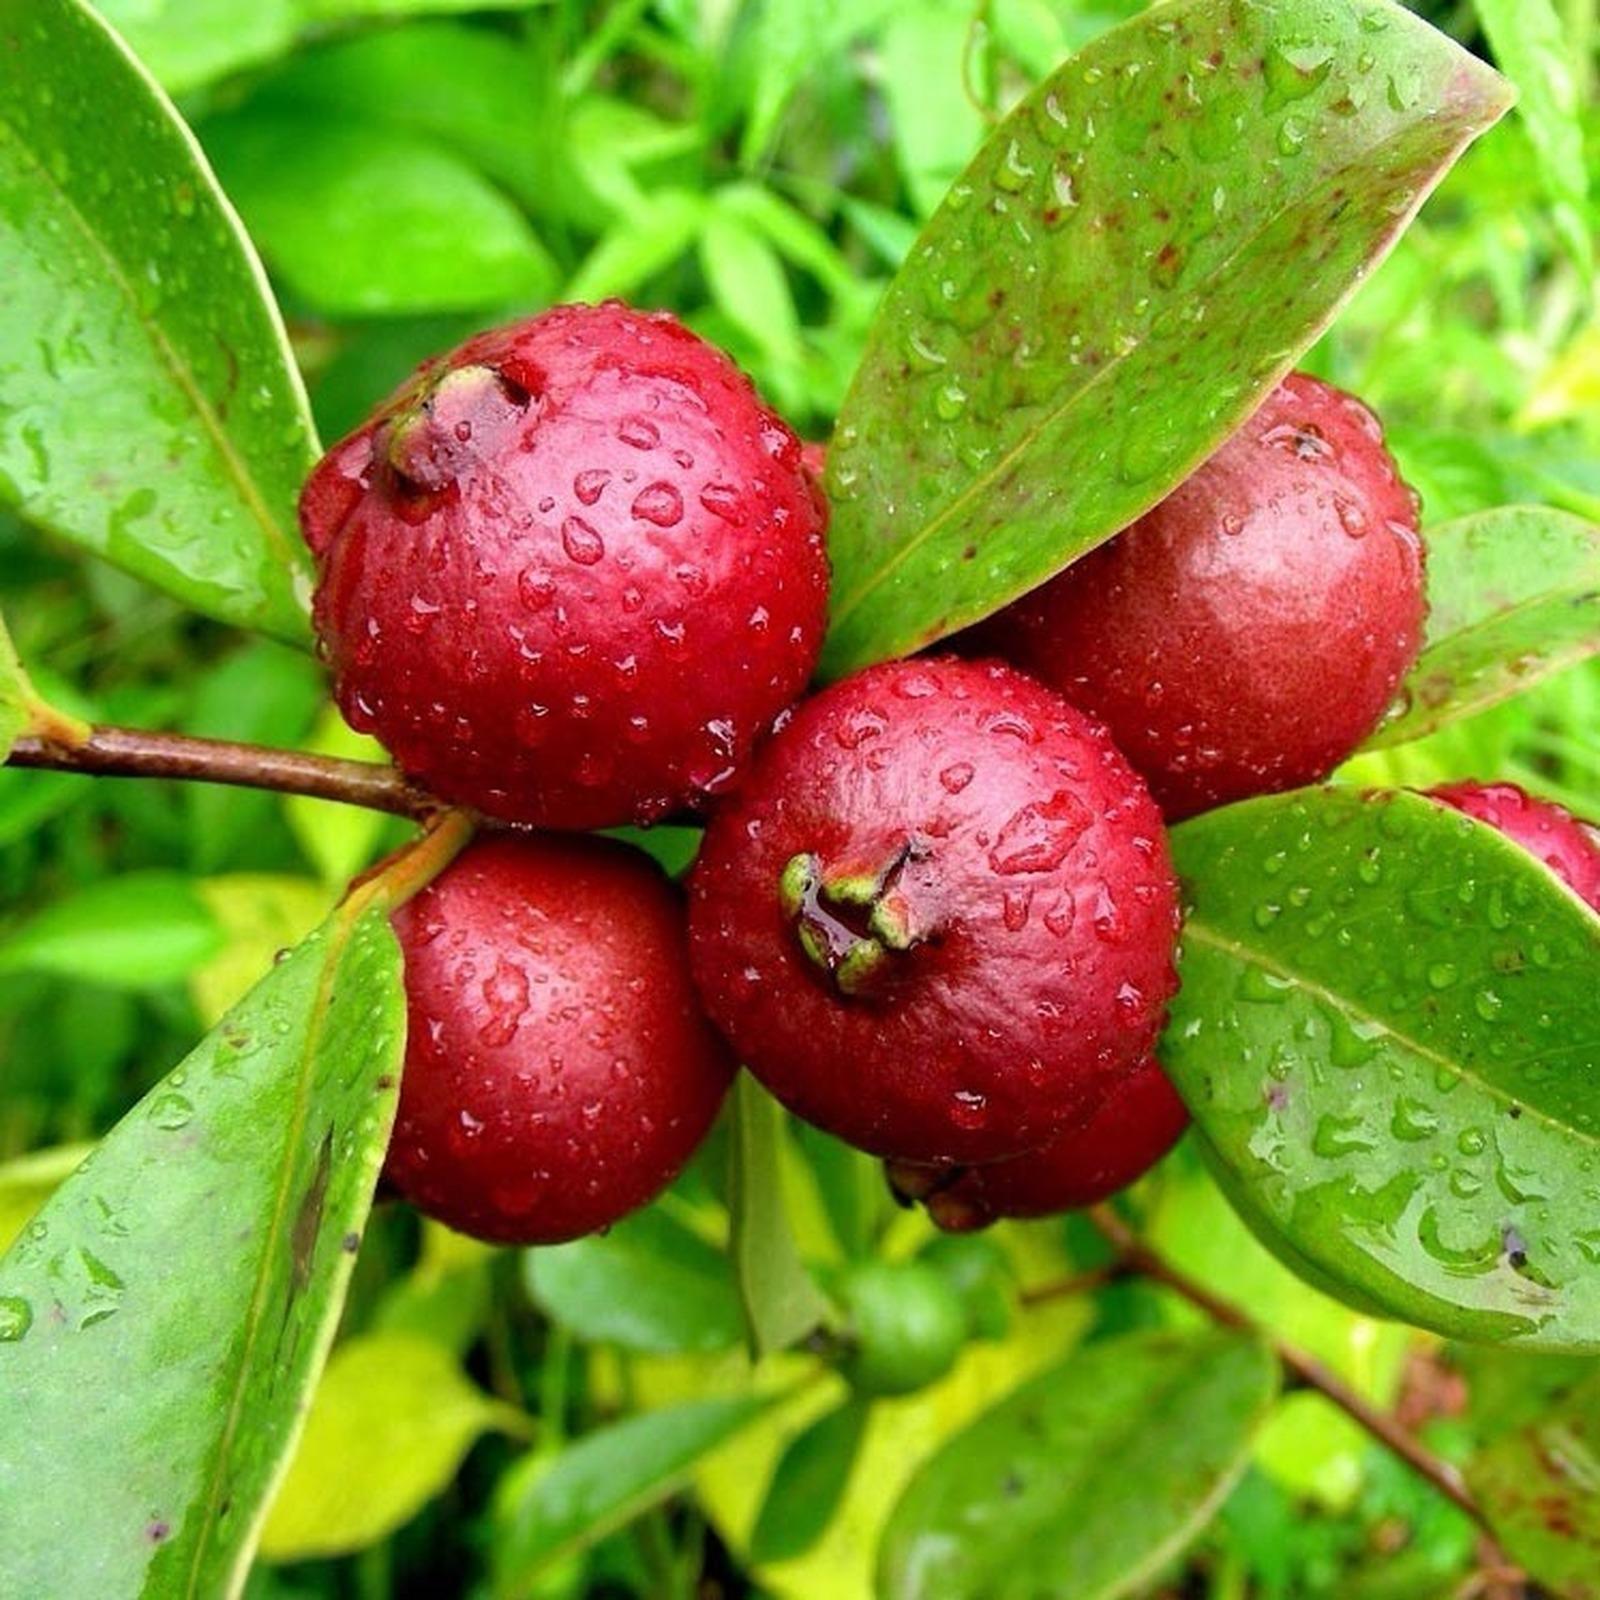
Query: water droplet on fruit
659	503
505	993
590	485
722	500
956	777
1039	837
535	588
969	1109
640	432
581	542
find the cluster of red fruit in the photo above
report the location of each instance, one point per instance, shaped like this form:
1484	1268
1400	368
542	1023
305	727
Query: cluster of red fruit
574	576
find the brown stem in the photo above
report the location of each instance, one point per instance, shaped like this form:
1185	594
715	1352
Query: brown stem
133	753
1134	1255
1079	1283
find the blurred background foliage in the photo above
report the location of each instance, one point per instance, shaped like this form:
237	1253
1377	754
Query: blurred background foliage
415	169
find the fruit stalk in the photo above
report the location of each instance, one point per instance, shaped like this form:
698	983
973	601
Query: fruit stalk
136	753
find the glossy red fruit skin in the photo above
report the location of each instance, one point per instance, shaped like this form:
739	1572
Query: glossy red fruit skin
1249	632
1013	853
1138	1124
1568	846
571	571
559	1071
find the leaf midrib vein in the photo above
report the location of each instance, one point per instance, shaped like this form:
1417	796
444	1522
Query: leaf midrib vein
243	479
1197	929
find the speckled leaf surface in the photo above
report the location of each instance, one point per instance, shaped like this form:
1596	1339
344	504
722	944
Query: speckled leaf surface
1513	596
164	1317
1088	1480
149	408
1388	1035
1540	1485
1135	257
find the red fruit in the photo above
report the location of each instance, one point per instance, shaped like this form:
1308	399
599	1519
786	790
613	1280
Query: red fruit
558	1069
1568	846
937	920
1138	1124
1249	632
570	572
814	457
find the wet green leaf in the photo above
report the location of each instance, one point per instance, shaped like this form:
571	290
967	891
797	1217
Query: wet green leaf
1535	51
164	1318
1089	1479
1134	258
326	197
1541	1488
30	1180
552	1506
135	932
1388	1036
647	1284
154	413
390	1423
781	1300
1514	595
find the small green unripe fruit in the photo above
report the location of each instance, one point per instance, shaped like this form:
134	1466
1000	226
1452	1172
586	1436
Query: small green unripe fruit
906	1326
977	1269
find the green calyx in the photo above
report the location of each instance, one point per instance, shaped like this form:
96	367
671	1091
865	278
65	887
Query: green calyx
449	424
853	926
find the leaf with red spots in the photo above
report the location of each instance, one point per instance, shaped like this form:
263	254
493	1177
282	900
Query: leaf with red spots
1134	259
1513	596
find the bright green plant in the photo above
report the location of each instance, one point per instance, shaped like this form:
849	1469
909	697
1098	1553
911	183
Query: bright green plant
843	196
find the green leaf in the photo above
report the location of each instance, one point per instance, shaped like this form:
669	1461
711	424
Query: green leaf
186	43
1132	261
643	243
1514	595
1541	1488
1387	1034
647	1284
257	915
1089	1479
936	125
16	695
154	414
1533	49
552	1506
328	197
164	1318
392	1419
137	931
808	1484
30	1180
748	285
780	1299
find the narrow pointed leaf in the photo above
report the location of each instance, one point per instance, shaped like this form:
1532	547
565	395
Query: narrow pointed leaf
809	1483
165	1316
1388	1036
1135	257
1540	1485
1514	595
152	411
1535	50
781	1300
552	1506
1089	1479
